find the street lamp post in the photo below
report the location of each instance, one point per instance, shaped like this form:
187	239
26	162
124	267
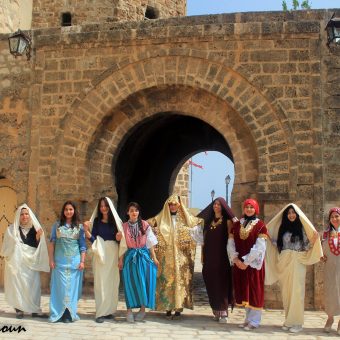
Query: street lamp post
212	195
227	181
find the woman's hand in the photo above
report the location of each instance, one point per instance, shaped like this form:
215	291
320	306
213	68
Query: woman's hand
155	261
240	264
39	233
119	236
87	226
323	259
81	265
52	264
121	263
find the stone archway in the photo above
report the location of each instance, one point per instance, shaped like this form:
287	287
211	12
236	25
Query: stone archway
255	128
152	152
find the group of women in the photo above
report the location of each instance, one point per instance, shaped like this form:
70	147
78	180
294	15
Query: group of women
234	254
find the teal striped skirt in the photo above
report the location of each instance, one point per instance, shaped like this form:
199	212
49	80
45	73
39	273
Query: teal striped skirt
139	275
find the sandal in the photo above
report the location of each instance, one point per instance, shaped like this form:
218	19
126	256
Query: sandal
19	314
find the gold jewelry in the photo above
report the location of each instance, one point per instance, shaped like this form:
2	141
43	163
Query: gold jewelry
244	231
214	225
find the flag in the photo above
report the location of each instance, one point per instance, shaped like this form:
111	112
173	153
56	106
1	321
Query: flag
195	164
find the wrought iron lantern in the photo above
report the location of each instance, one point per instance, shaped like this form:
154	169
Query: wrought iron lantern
333	30
20	43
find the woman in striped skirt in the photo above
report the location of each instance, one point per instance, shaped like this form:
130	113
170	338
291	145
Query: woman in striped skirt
139	269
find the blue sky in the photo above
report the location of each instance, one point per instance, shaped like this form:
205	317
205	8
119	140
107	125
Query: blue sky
216	166
199	7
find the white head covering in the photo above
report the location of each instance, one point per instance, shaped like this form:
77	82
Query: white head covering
13	247
309	257
97	247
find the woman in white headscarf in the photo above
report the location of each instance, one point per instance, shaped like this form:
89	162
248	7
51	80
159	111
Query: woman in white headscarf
108	244
25	252
294	244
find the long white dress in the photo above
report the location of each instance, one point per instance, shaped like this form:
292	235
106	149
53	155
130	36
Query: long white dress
22	266
289	268
105	268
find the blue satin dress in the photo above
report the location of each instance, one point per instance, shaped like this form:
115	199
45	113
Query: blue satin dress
66	278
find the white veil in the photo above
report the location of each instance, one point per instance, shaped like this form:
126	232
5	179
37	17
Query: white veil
14	250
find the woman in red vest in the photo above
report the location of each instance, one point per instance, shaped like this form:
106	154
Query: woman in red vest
246	251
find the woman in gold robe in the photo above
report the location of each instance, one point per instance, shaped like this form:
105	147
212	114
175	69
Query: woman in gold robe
176	255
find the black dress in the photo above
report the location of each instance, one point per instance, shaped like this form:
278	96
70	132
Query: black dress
216	267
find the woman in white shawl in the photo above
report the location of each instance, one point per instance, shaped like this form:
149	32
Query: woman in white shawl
108	244
25	252
294	244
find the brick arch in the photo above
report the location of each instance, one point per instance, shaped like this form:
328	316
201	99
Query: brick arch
268	126
187	101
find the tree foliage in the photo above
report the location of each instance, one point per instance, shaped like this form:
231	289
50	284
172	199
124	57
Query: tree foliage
305	4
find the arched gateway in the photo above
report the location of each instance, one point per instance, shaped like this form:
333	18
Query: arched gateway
175	105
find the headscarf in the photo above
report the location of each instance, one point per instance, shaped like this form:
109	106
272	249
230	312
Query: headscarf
309	257
207	214
13	243
119	224
253	203
335	209
163	219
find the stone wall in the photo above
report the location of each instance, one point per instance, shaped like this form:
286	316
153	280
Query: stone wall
15	14
48	14
266	82
15	119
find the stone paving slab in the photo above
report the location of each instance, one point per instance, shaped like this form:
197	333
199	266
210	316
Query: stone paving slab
196	324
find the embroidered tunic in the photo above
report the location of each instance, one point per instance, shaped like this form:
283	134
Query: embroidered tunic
139	271
66	278
248	244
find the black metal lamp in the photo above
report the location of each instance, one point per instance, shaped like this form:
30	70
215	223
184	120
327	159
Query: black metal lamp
212	195
333	30
227	181
20	43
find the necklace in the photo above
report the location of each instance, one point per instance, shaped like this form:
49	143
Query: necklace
332	235
246	229
214	225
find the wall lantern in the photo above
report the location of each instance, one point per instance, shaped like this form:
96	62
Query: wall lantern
20	43
333	31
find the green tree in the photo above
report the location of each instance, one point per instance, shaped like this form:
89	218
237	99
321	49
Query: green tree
305	4
295	5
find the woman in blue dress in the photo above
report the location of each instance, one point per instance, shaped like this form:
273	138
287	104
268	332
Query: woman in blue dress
67	250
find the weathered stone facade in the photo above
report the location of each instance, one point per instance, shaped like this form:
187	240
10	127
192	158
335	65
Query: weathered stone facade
15	14
48	14
265	84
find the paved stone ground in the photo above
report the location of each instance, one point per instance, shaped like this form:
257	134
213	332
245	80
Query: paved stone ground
196	324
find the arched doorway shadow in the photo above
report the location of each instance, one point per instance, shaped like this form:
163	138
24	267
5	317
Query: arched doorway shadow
150	154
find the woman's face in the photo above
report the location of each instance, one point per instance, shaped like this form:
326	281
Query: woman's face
335	219
173	207
217	207
68	211
249	210
291	214
103	208
24	217
133	213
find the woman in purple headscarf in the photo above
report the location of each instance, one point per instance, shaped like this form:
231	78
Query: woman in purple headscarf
216	267
331	249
